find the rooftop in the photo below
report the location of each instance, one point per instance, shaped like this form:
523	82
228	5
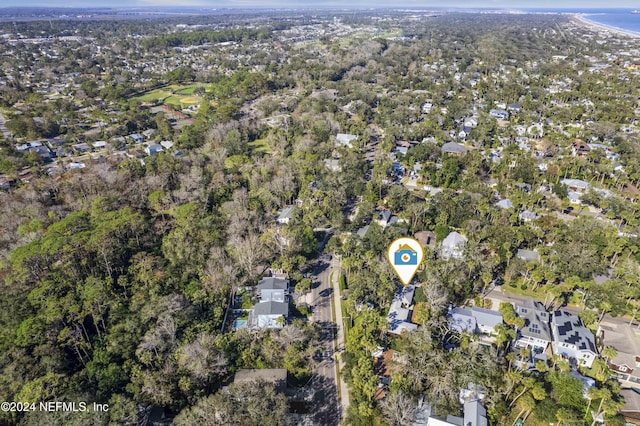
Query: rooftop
569	329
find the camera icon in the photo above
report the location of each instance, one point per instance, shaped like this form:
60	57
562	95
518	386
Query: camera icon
405	255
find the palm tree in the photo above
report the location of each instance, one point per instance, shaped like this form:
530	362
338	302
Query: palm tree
609	352
527	403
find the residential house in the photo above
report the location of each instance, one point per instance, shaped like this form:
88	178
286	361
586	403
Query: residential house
81	147
536	332
273	289
572	339
580	149
285	215
345	139
527	215
514	107
626	363
166	144
631	409
473	414
453	246
43	152
504	204
153	148
333	164
575	185
499	113
362	232
273	306
399	316
474	320
386	218
426	238
136	138
99	144
528	255
454	148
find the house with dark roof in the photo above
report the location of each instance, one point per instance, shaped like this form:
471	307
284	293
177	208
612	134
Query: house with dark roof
572	339
386	218
454	148
536	333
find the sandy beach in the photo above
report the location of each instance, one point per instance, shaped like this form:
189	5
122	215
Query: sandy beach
584	20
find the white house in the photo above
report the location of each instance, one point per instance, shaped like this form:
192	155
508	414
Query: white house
474	320
572	339
345	139
453	246
399	316
273	306
536	333
285	215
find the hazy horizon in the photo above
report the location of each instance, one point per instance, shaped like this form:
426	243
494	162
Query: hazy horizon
492	4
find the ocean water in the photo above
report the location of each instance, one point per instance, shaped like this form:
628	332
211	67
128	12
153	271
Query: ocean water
618	18
621	19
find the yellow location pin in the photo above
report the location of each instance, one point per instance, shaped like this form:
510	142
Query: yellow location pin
405	256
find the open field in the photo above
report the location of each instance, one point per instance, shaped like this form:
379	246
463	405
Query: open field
175	95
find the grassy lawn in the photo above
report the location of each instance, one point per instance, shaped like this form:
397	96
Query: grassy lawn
175	95
539	293
154	95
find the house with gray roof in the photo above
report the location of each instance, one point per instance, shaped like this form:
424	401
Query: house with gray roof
626	363
399	316
536	332
454	148
572	339
527	215
386	218
453	246
473	320
575	185
473	414
285	215
268	314
528	255
504	204
273	305
273	289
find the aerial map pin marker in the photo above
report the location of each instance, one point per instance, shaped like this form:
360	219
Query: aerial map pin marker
405	256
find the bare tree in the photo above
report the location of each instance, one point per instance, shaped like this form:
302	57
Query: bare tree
398	409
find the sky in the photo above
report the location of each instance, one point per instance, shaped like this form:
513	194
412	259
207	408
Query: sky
582	4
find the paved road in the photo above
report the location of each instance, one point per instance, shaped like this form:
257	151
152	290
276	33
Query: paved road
329	411
344	389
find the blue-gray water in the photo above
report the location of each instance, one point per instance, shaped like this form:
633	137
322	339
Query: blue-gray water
618	18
